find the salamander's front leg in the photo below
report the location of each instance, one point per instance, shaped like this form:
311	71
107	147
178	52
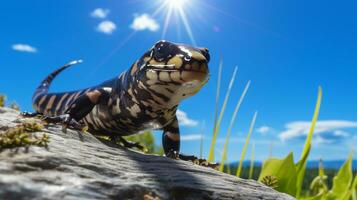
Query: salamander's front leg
79	109
171	139
171	145
171	142
31	114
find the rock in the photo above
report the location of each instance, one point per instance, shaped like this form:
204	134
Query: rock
79	166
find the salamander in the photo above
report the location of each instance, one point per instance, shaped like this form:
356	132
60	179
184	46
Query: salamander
145	96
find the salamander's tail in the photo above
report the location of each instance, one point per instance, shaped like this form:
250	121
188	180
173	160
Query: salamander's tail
45	84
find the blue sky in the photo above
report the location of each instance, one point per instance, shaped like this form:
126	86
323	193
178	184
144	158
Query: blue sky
286	48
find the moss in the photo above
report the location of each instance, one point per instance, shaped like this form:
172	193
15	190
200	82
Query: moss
20	136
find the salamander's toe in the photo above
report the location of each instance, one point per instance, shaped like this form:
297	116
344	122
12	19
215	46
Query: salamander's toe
128	144
30	114
66	121
172	154
202	162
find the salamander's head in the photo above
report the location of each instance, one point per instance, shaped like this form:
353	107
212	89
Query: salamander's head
171	71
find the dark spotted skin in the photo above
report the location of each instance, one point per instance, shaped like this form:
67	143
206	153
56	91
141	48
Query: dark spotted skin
146	96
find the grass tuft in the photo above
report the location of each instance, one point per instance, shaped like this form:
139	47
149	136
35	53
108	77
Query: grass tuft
239	170
217	99
225	149
218	122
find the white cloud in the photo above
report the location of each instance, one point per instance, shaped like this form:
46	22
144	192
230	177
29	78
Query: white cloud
264	130
144	22
192	137
184	120
106	27
318	140
100	13
301	128
242	140
340	133
24	48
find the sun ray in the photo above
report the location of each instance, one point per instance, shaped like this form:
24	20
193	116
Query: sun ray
110	55
178	27
159	9
168	8
241	20
175	7
167	21
187	25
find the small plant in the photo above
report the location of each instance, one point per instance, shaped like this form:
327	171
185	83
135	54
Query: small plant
318	185
342	182
289	174
19	136
2	100
15	106
270	181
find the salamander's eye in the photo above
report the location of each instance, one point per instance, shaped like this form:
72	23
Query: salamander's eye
162	51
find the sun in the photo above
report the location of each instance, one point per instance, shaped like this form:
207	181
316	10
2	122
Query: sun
169	7
176	4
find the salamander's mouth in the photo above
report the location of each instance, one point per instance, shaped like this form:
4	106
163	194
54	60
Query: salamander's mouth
177	75
172	68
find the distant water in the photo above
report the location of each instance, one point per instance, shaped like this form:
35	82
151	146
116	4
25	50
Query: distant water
328	164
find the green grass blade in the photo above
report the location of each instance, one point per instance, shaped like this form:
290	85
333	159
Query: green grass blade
313	124
218	123
224	156
239	170
354	189
251	166
228	169
217	95
201	139
301	165
321	169
218	91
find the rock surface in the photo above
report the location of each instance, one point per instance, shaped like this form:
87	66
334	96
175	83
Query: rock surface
79	166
